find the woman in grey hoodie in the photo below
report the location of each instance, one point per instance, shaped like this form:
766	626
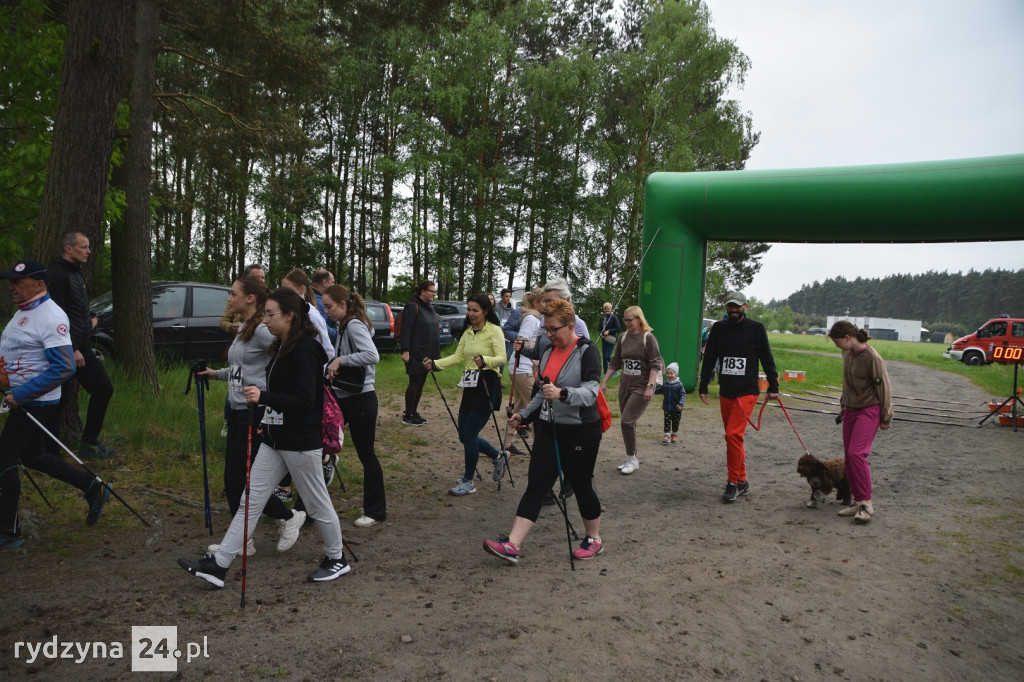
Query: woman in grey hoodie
248	357
564	409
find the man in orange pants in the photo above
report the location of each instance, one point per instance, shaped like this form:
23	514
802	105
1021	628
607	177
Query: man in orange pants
734	348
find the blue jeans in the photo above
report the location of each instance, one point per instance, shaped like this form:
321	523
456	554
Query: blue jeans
470	426
607	350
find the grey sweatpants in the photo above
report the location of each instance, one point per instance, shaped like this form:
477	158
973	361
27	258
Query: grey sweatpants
269	467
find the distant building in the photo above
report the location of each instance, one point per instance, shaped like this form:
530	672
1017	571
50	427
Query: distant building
884	328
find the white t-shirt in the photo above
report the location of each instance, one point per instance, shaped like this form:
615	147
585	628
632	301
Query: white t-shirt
321	326
26	339
529	328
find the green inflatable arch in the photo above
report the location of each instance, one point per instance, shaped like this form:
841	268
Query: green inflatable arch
942	201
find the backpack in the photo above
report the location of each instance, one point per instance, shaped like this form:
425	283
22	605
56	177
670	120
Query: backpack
332	424
398	320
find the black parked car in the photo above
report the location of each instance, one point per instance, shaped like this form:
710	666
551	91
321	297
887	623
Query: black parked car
452	312
383	326
186	322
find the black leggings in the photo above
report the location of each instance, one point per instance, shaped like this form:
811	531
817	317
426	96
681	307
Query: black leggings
360	412
672	420
235	461
414	392
577	449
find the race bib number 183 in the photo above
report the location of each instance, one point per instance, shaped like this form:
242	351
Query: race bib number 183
734	366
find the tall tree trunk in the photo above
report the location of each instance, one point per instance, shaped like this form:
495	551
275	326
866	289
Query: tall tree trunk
130	246
83	137
84	125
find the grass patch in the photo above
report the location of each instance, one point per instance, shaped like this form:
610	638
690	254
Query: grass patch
995	379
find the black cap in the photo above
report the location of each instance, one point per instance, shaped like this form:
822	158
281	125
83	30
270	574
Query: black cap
26	268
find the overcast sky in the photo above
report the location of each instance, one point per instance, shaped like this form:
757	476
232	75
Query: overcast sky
840	82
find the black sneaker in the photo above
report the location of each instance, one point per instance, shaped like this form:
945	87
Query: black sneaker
329	570
413	420
329	467
285	495
731	492
10	541
97	497
743	488
206	568
423	420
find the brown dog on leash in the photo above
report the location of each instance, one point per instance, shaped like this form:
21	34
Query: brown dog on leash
823	477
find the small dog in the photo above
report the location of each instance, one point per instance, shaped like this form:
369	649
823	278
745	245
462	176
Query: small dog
823	477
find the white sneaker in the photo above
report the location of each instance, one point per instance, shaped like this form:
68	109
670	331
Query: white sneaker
864	513
365	521
631	465
290	530
250	548
849	511
623	464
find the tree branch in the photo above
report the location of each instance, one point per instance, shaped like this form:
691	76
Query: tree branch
197	60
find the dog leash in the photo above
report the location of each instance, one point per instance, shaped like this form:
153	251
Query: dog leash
757	427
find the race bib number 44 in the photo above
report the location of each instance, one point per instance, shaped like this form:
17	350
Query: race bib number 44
235	380
734	366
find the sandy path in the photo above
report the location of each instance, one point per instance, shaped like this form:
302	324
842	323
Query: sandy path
688	587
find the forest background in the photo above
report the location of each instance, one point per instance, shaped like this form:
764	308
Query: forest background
477	143
480	144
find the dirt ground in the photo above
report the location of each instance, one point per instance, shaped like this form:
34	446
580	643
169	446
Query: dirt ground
687	588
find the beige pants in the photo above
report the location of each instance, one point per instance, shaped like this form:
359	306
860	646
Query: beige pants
631	406
522	385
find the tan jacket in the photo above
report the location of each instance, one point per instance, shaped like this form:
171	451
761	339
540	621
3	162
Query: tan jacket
866	383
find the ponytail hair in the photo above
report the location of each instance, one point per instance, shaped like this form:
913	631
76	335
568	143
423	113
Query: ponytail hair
299	278
844	328
253	286
355	306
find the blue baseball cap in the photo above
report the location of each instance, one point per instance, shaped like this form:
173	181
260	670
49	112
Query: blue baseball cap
26	268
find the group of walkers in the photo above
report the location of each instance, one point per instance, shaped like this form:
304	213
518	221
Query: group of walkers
311	341
282	366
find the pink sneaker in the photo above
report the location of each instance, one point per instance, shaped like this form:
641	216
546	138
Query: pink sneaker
503	549
588	549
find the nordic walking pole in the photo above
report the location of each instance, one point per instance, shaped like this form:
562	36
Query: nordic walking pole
245	523
201	385
87	469
433	376
501	443
445	401
33	482
561	481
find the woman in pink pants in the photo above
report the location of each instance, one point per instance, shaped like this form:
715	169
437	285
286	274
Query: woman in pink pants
866	407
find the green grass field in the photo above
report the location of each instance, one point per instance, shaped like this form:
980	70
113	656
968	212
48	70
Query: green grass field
995	379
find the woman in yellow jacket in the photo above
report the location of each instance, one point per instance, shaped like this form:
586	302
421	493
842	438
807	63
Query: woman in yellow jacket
481	354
